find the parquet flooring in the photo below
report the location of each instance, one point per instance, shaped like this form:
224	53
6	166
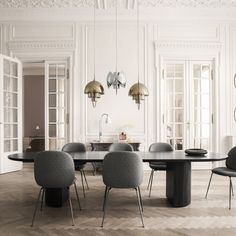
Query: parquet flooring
18	193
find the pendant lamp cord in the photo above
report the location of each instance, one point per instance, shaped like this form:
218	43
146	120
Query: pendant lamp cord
116	37
138	36
94	37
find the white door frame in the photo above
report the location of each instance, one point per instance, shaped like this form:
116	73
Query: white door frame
30	56
7	165
191	57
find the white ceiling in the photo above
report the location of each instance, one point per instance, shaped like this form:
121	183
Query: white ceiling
111	3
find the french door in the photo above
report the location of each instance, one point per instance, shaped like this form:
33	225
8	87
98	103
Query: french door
56	104
10	112
188	104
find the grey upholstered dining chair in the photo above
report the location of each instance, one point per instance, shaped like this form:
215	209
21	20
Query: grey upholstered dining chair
79	165
228	171
54	169
120	147
122	170
157	165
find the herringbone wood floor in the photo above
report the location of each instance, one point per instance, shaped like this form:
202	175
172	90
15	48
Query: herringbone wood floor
18	193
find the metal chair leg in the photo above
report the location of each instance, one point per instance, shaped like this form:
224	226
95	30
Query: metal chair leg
104	198
82	182
77	195
94	168
209	185
85	179
140	196
105	204
230	192
71	209
139	205
149	180
41	208
150	190
36	207
232	187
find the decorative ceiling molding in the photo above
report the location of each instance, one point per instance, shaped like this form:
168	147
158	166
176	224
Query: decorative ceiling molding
103	4
19	45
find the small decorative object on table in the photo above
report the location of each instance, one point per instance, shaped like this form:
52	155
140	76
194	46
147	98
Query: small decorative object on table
198	152
122	136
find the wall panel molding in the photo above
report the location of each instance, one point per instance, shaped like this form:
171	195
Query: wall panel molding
37	31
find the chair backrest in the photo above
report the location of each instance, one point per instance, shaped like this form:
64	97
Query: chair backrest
122	170
74	147
37	144
54	169
231	160
115	147
160	147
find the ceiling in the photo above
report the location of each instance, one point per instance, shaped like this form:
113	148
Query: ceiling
103	4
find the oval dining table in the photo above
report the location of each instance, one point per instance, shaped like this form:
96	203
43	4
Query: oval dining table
178	173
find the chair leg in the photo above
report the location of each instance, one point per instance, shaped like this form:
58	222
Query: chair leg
232	187
105	204
71	209
149	181
209	185
94	168
36	207
82	181
104	198
150	190
41	208
230	192
77	195
139	205
140	196
85	179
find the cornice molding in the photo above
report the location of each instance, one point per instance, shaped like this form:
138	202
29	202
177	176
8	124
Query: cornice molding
103	4
187	45
19	45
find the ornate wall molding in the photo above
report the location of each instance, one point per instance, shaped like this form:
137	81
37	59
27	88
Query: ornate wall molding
111	3
69	45
187	45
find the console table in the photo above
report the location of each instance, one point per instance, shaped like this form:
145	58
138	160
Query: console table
104	146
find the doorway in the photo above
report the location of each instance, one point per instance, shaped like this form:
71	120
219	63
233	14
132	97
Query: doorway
188	103
45	105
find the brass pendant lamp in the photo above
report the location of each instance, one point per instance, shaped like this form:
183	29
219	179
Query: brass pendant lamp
94	89
116	79
138	91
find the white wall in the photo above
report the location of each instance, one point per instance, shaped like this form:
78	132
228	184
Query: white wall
68	33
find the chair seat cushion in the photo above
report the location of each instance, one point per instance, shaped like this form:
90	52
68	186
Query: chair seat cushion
224	171
156	165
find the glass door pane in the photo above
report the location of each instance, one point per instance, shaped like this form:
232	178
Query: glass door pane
56	105
174	104
10	112
202	110
10	105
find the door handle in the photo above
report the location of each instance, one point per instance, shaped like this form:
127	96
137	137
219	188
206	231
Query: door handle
235	80
235	114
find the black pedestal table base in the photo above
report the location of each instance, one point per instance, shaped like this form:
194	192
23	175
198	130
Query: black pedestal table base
55	197
178	183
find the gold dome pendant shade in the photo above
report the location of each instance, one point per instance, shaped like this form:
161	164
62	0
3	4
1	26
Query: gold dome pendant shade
138	91
94	89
